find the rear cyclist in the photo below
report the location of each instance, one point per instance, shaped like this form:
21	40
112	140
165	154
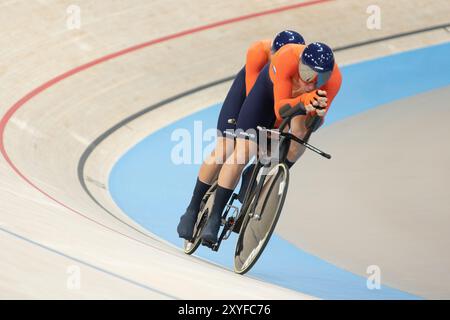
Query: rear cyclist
258	55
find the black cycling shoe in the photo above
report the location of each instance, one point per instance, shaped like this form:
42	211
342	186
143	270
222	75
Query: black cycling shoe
185	228
211	230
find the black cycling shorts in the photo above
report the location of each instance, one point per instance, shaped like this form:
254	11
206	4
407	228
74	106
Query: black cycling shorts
257	109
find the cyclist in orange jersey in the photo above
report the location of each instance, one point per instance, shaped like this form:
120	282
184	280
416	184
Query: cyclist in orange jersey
307	75
258	56
296	74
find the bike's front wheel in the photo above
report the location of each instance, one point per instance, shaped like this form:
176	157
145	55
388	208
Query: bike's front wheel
258	226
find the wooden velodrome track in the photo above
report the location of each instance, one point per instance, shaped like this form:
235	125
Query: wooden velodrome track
62	89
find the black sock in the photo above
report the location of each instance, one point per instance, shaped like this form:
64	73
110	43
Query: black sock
220	200
199	191
289	164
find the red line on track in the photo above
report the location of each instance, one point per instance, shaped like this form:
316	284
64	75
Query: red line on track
13	109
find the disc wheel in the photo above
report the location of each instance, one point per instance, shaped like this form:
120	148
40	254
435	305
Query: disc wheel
255	232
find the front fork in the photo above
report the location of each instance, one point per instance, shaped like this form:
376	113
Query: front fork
284	149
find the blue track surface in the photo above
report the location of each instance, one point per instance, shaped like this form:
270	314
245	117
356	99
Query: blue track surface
154	192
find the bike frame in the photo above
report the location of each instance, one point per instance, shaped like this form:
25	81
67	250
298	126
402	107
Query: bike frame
253	190
284	145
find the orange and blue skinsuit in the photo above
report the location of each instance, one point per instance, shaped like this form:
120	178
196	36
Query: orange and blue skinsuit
258	55
279	84
269	82
287	85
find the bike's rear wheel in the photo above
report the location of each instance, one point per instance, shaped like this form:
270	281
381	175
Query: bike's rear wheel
255	233
205	209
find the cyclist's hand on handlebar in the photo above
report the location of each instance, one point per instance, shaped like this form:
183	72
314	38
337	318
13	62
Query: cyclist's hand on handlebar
321	112
323	103
315	101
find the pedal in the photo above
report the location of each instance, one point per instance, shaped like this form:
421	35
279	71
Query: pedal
208	244
229	227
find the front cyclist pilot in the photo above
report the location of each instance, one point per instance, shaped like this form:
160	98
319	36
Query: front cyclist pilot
307	75
258	54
